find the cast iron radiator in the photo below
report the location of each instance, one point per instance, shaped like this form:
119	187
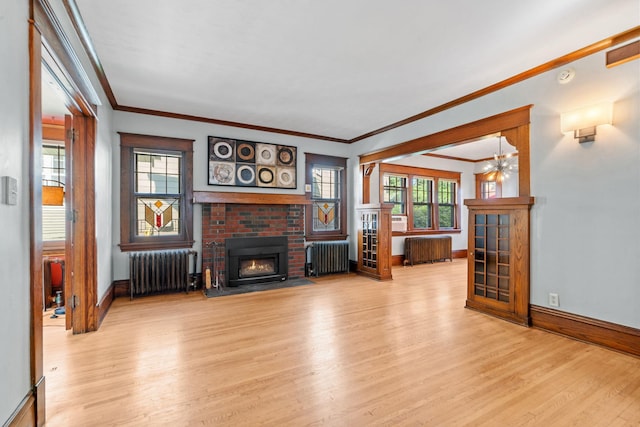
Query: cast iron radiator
158	271
329	257
427	249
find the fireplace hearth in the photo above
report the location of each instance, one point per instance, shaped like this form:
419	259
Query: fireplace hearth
256	260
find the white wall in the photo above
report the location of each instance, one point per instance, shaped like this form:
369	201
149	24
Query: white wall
161	126
585	231
14	245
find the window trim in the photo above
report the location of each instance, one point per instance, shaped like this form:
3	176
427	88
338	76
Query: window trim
128	144
436	175
319	160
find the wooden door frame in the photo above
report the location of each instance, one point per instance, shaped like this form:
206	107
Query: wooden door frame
513	125
49	45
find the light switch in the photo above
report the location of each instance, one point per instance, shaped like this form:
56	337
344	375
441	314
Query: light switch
10	190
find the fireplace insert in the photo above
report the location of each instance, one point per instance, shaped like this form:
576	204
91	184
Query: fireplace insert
256	260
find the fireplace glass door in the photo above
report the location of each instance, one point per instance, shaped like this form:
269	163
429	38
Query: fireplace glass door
257	267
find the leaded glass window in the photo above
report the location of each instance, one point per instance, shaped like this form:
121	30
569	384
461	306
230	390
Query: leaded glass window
158	193
326	195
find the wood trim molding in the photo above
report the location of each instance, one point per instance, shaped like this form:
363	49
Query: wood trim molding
398	260
454	136
105	303
623	54
35	220
459	253
249	198
53	132
220	122
547	66
426	232
120	288
25	413
56	42
593	331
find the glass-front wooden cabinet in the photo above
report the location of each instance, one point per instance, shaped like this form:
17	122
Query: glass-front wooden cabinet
374	241
498	259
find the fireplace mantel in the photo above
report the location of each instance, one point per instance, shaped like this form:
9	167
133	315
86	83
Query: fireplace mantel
249	198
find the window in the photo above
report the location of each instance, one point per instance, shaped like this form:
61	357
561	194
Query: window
53	180
422	200
428	197
395	191
156	192
487	188
446	203
325	216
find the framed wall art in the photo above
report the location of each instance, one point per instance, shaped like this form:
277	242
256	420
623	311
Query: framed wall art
235	162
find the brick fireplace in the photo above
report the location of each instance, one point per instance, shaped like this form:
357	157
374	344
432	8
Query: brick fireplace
222	221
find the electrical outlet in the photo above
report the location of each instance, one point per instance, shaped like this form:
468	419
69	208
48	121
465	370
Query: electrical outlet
554	301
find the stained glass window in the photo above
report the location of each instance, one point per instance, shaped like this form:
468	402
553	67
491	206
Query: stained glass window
326	190
158	175
156	194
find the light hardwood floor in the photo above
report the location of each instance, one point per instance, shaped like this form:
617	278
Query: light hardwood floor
346	351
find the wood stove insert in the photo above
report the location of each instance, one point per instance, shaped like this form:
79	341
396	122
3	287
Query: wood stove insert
256	260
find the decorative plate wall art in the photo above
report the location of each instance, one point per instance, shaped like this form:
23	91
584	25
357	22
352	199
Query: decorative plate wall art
251	164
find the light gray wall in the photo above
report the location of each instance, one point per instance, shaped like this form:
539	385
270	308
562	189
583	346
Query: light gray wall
585	231
161	126
14	245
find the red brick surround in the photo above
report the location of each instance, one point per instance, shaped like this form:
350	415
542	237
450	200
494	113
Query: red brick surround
224	220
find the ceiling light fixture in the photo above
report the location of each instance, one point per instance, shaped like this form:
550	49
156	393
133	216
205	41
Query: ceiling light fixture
501	166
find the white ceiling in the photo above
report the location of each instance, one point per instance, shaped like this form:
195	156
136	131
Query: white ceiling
53	100
339	68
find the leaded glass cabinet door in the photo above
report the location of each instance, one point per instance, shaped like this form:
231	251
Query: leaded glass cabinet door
374	241
492	278
498	258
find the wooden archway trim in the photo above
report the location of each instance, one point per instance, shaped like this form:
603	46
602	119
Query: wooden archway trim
513	124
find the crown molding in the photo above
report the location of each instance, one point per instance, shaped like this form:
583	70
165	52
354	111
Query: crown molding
83	34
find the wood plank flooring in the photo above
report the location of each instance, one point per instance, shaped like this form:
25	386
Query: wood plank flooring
346	351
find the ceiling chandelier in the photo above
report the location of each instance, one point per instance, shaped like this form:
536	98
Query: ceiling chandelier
501	166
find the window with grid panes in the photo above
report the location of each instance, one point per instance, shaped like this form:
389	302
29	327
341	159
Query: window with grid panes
395	191
156	194
430	197
446	203
325	193
53	175
422	202
325	216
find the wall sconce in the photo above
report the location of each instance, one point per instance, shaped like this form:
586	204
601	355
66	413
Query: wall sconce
583	121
